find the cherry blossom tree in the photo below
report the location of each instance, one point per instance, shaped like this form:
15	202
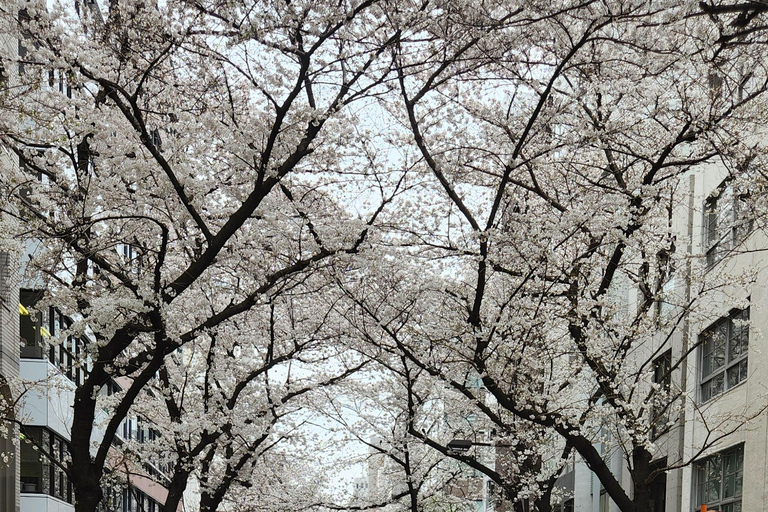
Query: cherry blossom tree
555	151
181	166
470	189
377	410
251	389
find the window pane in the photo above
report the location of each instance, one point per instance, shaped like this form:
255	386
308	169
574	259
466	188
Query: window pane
725	213
719	337
713	255
715	469
734	376
31	464
714	348
713	387
739	334
56	324
737	344
731	469
739	470
712	492
729	486
711	221
701	480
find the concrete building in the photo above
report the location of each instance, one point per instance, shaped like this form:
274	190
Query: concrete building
50	374
716	438
43	376
9	324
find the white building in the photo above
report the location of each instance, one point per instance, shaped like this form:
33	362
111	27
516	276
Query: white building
717	440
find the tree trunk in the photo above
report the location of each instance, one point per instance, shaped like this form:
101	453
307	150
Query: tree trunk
88	494
85	477
641	461
176	490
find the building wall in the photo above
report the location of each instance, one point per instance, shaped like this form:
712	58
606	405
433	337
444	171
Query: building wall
9	298
49	397
43	503
9	370
736	416
738	408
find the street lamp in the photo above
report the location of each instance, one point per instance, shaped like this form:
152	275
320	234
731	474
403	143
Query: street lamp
463	445
460	445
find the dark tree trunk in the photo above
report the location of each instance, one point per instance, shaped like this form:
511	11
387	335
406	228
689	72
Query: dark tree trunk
88	494
85	477
641	461
176	490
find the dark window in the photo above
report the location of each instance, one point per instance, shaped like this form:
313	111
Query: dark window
662	376
31	468
139	430
156	140
715	83
111	387
29	334
720	481
39	474
35	328
133	500
658	487
724	349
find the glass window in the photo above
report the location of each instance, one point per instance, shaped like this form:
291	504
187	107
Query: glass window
31	467
55	322
38	473
35	328
662	376
724	348
720	481
29	334
665	305
658	488
727	222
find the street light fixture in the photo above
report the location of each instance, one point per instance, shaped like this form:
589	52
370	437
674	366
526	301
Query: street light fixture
463	445
460	445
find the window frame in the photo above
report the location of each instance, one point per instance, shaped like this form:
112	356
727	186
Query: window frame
67	355
718	240
50	479
722	501
730	362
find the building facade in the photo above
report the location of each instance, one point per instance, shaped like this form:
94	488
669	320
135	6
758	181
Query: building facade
712	442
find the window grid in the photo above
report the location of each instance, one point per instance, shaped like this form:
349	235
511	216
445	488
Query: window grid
720	481
35	328
37	473
726	223
724	351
